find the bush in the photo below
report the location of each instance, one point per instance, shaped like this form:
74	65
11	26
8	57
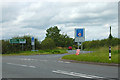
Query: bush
101	43
55	51
7	47
48	43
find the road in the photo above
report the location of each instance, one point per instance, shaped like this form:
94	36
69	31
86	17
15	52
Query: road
48	66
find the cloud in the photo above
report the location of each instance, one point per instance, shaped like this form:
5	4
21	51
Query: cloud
38	16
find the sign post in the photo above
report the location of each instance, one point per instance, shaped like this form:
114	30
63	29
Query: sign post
20	41
80	36
33	43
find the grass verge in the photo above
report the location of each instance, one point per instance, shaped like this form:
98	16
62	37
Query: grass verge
39	52
100	55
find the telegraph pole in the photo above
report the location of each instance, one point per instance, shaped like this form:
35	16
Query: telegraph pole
110	37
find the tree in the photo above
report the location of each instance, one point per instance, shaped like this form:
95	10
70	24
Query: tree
53	33
48	43
60	40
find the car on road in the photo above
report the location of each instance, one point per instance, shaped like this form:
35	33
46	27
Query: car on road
70	48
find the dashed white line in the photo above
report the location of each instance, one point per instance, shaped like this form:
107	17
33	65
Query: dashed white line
21	65
66	62
32	66
28	59
75	74
63	62
60	61
24	65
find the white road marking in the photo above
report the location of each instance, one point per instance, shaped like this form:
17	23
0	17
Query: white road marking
63	62
60	61
75	74
66	62
21	65
32	66
24	65
28	59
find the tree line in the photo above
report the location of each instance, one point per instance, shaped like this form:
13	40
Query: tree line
54	39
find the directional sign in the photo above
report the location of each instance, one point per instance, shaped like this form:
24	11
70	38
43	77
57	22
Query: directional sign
14	40
79	34
22	40
17	40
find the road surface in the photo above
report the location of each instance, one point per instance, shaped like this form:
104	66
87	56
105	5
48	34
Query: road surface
48	66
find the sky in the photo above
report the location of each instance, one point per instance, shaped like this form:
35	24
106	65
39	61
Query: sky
35	17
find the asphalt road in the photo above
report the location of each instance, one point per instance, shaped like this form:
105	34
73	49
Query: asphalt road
48	66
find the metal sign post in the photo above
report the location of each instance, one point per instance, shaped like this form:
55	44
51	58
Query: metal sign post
80	36
22	46
33	44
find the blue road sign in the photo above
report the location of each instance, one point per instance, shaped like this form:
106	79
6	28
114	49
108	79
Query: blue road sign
32	39
79	32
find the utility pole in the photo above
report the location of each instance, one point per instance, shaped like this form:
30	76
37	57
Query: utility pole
110	37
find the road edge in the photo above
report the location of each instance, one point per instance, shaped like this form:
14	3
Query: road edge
85	62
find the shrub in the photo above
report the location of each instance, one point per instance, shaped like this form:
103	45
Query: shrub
48	43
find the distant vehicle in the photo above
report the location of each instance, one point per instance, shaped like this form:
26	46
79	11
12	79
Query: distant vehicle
69	48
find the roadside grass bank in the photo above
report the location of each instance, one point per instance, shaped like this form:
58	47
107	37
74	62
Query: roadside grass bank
101	55
39	52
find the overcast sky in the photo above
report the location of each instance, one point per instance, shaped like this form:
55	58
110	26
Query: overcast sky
33	18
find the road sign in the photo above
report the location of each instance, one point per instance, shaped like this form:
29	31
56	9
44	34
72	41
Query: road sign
22	40
79	34
17	40
32	41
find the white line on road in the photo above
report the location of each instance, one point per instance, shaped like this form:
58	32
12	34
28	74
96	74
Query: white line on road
75	74
21	65
60	61
32	66
24	65
63	62
28	59
66	62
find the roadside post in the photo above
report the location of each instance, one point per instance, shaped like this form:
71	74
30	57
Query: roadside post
80	36
110	37
109	52
33	43
18	41
22	41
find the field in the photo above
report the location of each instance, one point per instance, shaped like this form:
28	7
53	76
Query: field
100	55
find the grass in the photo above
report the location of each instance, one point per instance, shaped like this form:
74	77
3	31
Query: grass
100	55
39	52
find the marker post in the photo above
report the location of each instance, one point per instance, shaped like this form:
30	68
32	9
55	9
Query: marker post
109	52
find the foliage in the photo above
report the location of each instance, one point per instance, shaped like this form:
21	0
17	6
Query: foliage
48	43
7	47
100	43
53	33
60	40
